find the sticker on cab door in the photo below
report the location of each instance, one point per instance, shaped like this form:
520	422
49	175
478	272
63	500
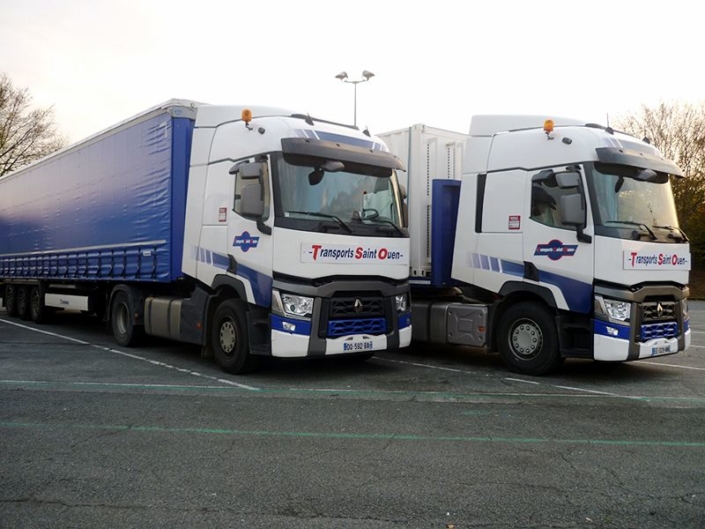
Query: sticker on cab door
245	241
556	250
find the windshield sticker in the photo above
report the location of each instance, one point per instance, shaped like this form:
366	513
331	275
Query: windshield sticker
245	241
556	250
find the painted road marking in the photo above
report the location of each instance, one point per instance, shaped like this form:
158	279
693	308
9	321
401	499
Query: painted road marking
133	356
569	388
359	436
523	381
674	365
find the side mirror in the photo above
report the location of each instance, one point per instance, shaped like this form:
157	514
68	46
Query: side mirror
251	203
247	171
573	214
572	210
568	179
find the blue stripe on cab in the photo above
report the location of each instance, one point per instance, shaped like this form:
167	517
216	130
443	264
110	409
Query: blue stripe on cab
260	283
512	268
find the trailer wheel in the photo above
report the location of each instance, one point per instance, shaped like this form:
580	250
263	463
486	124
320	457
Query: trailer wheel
125	332
37	309
23	310
229	338
11	300
528	340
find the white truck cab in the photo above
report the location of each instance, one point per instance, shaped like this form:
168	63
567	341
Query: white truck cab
302	218
560	238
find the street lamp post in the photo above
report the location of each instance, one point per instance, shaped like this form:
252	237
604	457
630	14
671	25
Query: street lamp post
343	76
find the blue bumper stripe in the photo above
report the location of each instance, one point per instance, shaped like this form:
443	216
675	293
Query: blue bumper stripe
299	326
600	327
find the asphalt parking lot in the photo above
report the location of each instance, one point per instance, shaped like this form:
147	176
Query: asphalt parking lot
93	435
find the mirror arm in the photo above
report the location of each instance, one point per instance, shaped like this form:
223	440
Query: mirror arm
582	236
261	226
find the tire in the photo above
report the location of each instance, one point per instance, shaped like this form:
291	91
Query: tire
11	300
125	332
528	340
37	310
23	302
230	339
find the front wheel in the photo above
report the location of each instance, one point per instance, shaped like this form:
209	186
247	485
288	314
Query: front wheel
528	340
230	338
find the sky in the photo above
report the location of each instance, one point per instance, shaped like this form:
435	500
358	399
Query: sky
99	62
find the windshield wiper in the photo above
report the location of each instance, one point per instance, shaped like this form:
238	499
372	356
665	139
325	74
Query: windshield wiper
671	235
390	223
324	216
639	224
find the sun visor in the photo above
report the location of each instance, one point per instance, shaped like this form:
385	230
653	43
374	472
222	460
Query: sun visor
637	159
344	152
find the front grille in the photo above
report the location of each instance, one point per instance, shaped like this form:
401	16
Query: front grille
658	311
346	315
356	307
650	331
357	326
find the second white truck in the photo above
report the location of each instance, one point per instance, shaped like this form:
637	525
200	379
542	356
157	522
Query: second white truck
544	239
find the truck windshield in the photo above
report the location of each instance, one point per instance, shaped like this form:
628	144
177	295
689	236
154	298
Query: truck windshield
625	205
319	195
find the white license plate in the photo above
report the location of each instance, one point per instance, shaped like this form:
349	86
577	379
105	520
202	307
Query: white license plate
662	350
358	346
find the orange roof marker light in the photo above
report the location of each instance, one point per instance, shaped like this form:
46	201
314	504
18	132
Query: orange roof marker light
548	128
246	116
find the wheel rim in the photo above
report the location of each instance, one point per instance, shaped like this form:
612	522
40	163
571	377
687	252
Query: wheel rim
121	318
228	336
526	339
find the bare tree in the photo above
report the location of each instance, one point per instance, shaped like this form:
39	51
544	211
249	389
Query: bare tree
678	131
26	134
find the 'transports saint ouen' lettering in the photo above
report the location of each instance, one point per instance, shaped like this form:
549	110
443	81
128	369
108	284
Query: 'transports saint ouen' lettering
359	253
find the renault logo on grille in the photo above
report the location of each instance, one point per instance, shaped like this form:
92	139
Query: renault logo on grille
357	305
659	310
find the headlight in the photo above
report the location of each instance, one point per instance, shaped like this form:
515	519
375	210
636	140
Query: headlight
613	309
402	301
296	305
684	305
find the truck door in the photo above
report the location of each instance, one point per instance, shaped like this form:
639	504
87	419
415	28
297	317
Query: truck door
249	230
558	252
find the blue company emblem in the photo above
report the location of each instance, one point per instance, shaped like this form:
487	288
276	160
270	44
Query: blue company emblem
245	241
555	249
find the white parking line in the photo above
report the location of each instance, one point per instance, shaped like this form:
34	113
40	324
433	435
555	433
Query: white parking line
673	365
133	356
523	381
45	332
533	382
